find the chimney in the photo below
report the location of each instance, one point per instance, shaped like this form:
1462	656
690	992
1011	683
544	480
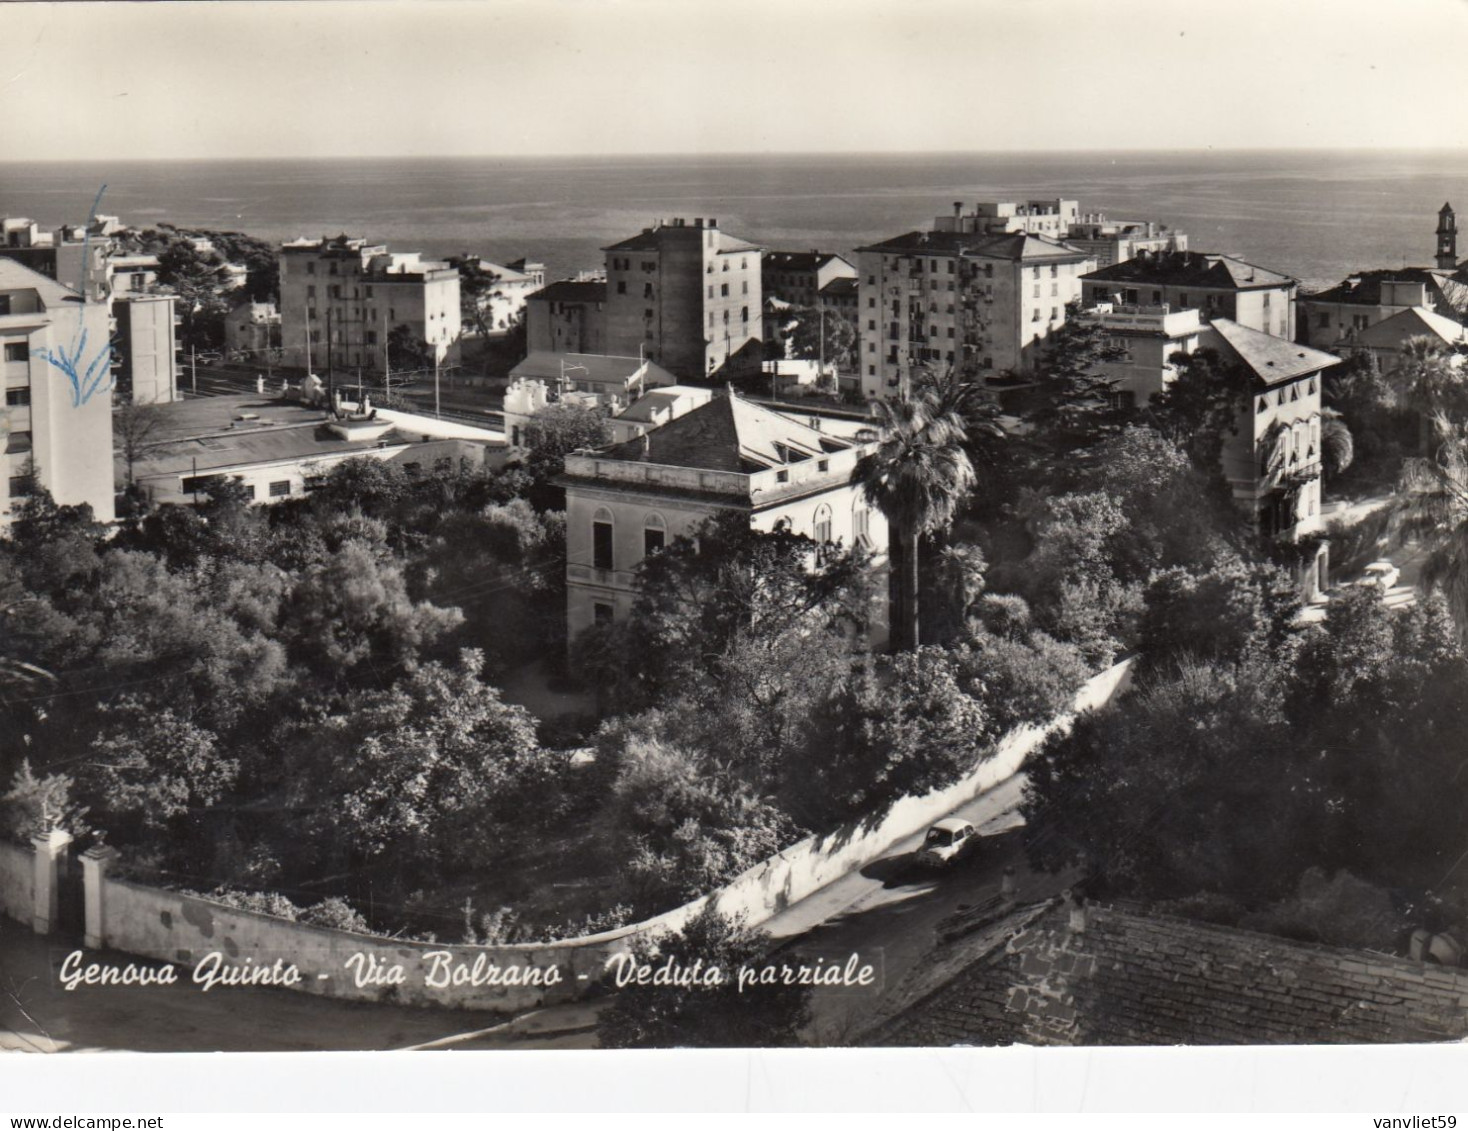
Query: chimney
1079	916
646	445
957	209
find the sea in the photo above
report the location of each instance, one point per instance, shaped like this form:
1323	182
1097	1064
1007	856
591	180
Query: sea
1317	215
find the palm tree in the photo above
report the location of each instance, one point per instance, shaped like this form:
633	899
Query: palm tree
1427	381
917	476
1433	503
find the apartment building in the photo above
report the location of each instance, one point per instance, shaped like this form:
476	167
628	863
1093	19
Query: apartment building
687	296
1218	286
365	293
56	369
1109	241
1146	339
1336	318
567	317
799	277
982	303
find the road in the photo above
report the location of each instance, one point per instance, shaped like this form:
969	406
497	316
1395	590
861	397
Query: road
454	398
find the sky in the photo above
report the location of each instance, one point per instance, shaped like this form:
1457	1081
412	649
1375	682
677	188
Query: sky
344	78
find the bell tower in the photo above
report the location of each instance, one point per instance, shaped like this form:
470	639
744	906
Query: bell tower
1447	238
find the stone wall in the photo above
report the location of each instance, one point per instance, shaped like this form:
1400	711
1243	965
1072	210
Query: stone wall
17	882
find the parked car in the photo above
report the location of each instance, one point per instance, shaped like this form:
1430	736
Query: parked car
1383	575
946	842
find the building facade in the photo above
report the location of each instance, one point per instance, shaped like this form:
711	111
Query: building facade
1218	286
982	303
56	422
1147	338
252	333
146	327
1335	319
567	317
688	296
633	498
365	294
799	277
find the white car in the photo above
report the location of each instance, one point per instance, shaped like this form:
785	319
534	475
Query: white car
946	841
1383	575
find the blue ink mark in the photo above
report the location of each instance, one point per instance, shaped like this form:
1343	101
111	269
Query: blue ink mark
85	377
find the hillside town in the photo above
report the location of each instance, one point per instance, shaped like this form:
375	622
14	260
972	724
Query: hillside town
1062	623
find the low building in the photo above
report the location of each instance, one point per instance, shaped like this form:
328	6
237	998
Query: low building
278	448
252	333
1335	319
567	317
1148	337
503	304
1385	340
798	277
56	369
653	410
1218	286
595	381
631	499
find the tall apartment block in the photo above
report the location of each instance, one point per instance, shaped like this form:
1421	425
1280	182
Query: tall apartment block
981	303
369	292
686	296
55	365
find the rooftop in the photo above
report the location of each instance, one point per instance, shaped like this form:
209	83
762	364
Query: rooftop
728	434
842	286
1191	268
1364	288
15	276
651	239
571	291
1415	321
1013	246
605	369
1132	977
801	260
1271	359
213	433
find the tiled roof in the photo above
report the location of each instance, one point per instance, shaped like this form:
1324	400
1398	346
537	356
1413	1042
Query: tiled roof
799	260
1012	245
1270	359
1190	268
1364	288
1415	321
567	291
650	239
728	434
1135	978
841	287
603	369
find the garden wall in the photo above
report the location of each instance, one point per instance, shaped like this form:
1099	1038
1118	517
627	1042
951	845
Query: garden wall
17	882
203	936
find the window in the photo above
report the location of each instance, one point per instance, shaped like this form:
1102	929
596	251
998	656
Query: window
1034	316
647	313
654	534
371	337
872	324
647	290
744	314
823	465
723	290
601	539
782	477
336	291
1156	296
601	612
17	443
20	396
823	524
1182	300
1360	321
860	519
17	351
871	369
20	486
1054	271
369	292
871	302
1261	405
1322	321
621	286
310	268
331	270
711	290
311	291
280	488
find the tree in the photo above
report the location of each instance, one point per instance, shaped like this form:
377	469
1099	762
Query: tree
405	350
134	429
558	430
1337	446
437	770
1432	503
815	334
720	1015
1074	403
476	290
200	281
1203	405
153	766
36	804
917	477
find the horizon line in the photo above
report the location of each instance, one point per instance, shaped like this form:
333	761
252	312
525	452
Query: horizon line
744	154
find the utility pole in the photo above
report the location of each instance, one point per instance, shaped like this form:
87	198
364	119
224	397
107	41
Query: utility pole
436	411
330	362
194	372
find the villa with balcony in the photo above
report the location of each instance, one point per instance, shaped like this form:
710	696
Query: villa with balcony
780	469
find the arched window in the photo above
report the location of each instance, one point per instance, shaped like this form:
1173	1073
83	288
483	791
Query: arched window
654	534
823	524
601	539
